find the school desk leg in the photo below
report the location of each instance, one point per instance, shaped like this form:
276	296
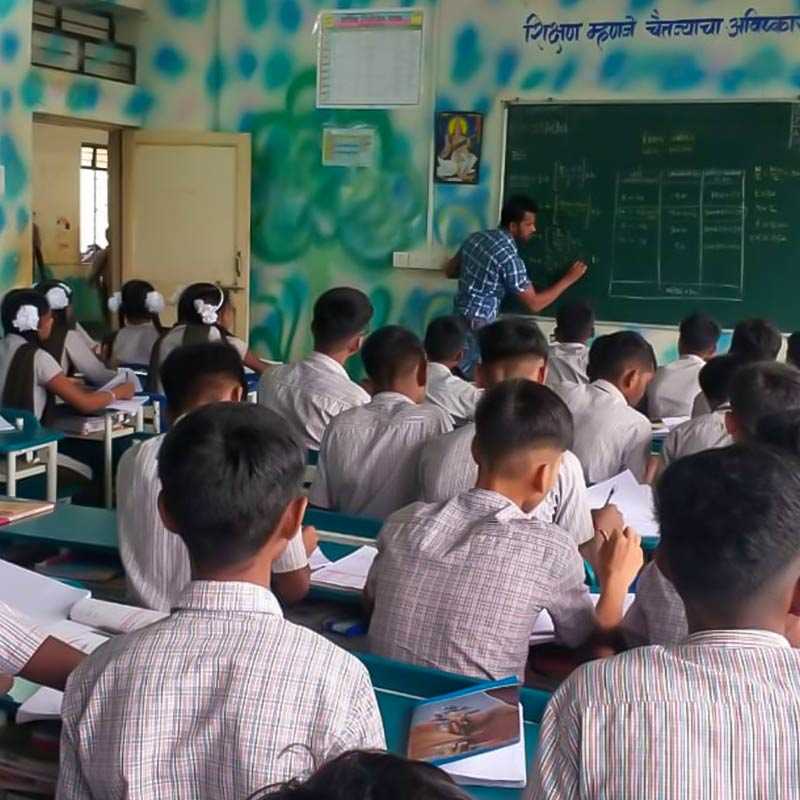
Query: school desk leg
52	472
108	458
11	474
140	419
157	416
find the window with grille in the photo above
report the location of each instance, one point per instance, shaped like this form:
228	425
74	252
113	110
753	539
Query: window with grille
94	196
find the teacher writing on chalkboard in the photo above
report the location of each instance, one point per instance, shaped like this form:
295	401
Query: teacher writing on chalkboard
488	267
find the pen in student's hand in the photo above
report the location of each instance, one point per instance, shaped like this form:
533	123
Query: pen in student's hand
611	494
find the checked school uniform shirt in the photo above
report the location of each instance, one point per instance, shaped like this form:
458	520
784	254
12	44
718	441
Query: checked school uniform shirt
672	391
657	615
218	700
714	717
447	468
456	396
567	363
20	638
706	432
491	268
458	586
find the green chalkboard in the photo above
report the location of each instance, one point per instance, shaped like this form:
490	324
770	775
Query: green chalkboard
675	206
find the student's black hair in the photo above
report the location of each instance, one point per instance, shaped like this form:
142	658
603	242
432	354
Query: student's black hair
390	352
63	318
187	369
12	302
793	349
759	390
133	304
207	292
515	209
699	333
340	314
781	430
611	355
445	337
518	414
369	775
228	471
514	337
756	340
728	522
716	378
575	322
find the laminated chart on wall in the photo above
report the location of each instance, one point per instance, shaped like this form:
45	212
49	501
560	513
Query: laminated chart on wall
674	206
369	59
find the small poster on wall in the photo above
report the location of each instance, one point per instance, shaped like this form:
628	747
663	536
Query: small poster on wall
459	138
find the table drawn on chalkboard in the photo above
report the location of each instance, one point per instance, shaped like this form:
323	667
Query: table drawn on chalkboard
678	233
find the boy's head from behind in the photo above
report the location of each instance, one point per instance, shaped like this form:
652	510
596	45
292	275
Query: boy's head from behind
758	391
699	335
574	322
793	350
730	541
394	360
445	339
521	431
198	374
231	477
716	378
624	359
341	317
756	340
511	348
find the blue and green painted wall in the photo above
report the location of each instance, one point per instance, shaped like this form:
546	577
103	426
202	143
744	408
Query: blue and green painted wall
249	65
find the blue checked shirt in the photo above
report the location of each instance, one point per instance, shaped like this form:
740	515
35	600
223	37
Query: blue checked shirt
490	269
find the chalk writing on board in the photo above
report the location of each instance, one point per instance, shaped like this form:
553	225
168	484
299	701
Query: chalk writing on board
750	22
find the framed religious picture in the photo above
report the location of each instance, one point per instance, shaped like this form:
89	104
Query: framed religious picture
459	139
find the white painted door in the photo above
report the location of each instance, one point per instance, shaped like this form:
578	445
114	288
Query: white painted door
185	213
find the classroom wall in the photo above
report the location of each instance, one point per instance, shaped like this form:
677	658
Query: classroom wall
248	65
56	188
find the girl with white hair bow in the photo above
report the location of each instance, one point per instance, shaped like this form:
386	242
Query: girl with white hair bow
205	314
138	305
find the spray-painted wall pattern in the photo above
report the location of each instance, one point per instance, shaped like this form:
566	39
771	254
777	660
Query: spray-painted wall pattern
248	65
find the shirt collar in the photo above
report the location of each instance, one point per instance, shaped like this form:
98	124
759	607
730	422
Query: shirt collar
738	638
569	347
437	370
390	398
691	358
609	388
505	509
327	363
236	596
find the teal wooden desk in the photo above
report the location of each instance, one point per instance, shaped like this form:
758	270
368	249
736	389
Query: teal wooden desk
28	443
399	687
69	526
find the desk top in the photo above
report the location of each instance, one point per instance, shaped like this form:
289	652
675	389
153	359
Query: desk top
69	526
14	441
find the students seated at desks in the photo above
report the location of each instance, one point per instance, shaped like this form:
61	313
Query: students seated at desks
310	393
569	355
753	340
610	434
28	651
364	775
707	430
758	393
458	585
205	313
224	696
715	715
156	561
673	390
69	344
369	456
30	378
793	350
138	305
509	348
445	340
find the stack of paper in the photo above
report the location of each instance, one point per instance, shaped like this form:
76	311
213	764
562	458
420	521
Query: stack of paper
633	499
13	509
662	428
349	573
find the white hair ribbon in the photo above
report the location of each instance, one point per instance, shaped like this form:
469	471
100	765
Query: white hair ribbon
115	302
58	298
207	312
27	319
154	302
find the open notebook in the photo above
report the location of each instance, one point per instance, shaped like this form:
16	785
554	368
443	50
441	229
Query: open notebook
69	614
544	630
348	573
